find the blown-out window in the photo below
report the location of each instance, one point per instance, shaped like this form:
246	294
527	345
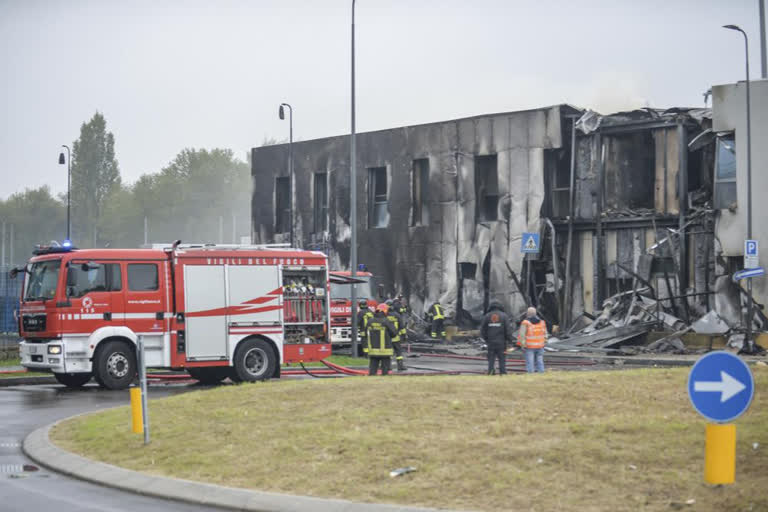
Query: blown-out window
419	184
486	188
378	205
282	205
321	202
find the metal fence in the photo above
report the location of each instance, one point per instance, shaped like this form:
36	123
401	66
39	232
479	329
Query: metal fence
10	290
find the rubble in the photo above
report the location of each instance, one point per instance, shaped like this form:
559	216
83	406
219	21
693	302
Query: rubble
627	318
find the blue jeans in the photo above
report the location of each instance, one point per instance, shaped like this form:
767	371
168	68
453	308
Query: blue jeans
538	355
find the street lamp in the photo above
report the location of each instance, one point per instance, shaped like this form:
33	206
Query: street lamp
281	112
69	180
748	342
353	202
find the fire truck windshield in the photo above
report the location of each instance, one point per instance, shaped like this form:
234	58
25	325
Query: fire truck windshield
42	281
344	291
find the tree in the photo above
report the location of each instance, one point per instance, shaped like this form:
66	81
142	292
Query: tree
37	218
95	177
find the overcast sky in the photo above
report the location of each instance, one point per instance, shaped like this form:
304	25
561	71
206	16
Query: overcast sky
184	73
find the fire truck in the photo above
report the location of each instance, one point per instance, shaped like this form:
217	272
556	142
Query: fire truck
215	311
341	305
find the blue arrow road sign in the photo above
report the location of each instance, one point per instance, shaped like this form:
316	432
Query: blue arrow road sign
751	272
530	242
720	386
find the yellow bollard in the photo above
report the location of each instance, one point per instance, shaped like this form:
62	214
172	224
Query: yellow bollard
720	454
137	420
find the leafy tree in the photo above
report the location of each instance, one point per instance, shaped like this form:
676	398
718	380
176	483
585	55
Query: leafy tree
95	176
37	218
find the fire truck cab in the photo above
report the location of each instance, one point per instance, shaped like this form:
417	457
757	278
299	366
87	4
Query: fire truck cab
215	311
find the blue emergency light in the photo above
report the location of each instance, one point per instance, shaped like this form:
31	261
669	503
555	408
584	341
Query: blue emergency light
362	268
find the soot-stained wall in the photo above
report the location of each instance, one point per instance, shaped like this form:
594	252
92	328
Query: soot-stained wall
422	261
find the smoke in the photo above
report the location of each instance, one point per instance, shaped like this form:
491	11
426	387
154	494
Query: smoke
611	92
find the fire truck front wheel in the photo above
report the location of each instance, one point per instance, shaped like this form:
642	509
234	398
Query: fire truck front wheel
73	380
114	365
254	360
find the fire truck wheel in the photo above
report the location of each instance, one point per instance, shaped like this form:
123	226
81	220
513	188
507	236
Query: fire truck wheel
73	380
209	375
115	365
254	360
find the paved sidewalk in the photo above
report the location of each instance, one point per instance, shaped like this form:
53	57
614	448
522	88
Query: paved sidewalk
39	448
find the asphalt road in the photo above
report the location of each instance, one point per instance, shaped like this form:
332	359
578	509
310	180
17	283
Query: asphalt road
24	409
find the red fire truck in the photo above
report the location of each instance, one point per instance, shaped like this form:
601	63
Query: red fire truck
341	307
215	311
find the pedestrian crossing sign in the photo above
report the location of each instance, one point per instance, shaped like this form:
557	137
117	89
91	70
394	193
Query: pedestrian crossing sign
530	243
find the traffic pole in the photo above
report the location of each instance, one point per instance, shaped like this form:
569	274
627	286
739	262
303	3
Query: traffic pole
720	454
143	386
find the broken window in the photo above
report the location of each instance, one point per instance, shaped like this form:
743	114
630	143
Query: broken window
378	206
282	205
467	270
486	188
419	184
321	202
725	173
561	188
630	172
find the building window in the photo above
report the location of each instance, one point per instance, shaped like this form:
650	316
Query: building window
561	188
725	173
321	202
419	184
378	207
486	188
282	205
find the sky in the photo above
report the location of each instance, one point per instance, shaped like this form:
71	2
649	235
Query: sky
173	74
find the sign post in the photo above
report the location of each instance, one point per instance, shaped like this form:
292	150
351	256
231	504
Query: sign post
143	385
721	388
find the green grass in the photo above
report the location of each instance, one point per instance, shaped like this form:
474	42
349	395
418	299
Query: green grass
339	360
586	441
13	361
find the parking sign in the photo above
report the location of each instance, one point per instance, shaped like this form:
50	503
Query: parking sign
751	254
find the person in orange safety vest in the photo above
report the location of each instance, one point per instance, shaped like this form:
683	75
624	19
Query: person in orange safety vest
532	338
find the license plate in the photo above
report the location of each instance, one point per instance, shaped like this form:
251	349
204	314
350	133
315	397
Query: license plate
33	350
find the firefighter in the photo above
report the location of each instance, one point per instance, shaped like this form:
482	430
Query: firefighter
435	317
364	315
401	307
532	338
380	333
496	332
397	340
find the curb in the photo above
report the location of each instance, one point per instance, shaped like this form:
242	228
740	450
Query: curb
38	447
26	381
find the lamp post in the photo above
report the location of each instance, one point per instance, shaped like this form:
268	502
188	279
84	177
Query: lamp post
748	342
353	202
69	180
290	163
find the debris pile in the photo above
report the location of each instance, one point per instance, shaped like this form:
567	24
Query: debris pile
628	317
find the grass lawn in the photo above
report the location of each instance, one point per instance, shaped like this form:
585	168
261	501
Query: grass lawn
15	361
586	441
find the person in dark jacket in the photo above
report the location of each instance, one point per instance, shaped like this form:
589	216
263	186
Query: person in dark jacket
380	334
497	334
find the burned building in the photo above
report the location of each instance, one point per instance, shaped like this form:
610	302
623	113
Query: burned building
632	203
640	211
442	205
